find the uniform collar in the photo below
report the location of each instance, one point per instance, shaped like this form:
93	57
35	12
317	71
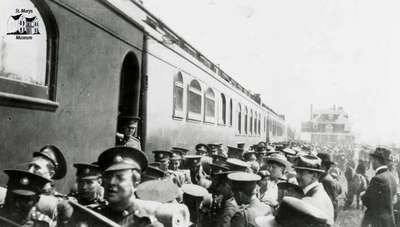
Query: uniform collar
310	186
384	167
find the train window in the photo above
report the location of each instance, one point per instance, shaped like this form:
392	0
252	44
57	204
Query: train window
259	124
245	120
251	122
178	96
27	47
195	100
230	112
209	106
239	119
223	109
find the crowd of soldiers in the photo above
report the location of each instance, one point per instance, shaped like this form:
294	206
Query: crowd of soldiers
281	184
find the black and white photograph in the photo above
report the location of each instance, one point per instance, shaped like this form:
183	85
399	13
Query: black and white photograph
199	113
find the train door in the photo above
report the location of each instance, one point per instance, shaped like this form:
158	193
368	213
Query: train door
129	120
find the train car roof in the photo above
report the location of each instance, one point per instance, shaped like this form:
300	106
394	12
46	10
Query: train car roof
158	30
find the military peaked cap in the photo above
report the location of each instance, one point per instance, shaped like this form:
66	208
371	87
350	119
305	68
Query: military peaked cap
237	165
121	157
87	171
25	183
234	152
161	155
55	156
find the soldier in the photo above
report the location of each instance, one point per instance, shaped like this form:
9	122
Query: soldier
202	149
153	173
224	205
331	187
197	174
162	157
89	190
234	152
277	164
193	195
50	163
244	187
308	169
122	168
129	135
379	196
23	193
179	176
296	212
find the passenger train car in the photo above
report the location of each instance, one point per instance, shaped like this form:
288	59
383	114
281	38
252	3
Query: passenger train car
69	70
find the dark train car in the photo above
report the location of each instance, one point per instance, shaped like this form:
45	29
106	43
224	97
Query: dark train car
69	69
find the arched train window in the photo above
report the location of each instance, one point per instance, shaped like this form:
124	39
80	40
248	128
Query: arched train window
178	96
239	118
230	112
194	101
223	109
251	122
245	120
209	106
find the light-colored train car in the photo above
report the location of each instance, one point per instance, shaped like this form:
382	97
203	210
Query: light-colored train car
69	69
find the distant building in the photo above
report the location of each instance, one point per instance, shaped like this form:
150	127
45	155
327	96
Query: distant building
330	126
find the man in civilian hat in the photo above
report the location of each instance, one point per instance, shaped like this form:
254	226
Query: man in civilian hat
379	196
89	190
244	187
24	189
331	187
122	168
277	163
308	169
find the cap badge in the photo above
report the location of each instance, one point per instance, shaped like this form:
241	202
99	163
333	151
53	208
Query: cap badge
118	158
24	181
161	155
87	171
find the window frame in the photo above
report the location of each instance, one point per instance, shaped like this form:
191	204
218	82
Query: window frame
178	82
209	119
230	113
222	115
239	119
24	95
246	120
192	115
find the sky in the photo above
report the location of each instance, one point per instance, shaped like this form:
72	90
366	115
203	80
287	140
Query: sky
297	53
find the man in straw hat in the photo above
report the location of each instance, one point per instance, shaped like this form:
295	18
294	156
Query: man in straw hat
244	187
379	195
277	163
308	169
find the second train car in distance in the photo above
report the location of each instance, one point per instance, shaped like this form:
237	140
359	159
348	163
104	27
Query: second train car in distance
71	72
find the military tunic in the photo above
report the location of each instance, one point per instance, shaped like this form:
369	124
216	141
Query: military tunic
226	212
247	214
35	218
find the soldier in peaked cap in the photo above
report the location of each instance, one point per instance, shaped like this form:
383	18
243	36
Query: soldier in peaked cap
202	149
224	205
50	163
244	187
162	157
197	174
128	137
308	169
193	196
89	190
179	176
380	208
235	164
122	168
234	152
153	173
23	193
